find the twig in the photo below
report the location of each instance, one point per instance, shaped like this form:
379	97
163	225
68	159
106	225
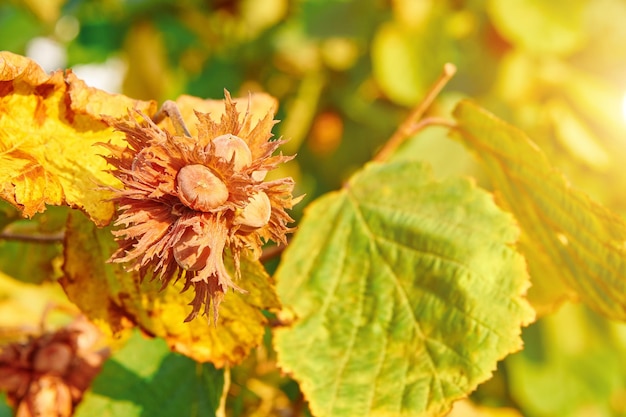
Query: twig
299	405
431	121
406	129
33	238
170	109
272	252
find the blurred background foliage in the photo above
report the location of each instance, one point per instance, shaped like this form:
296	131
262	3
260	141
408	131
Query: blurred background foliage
346	73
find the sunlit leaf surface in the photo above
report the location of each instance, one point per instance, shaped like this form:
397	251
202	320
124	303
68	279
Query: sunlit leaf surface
48	127
584	243
23	306
146	378
116	299
541	26
388	280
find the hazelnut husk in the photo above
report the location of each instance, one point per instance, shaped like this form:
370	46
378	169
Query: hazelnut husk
47	375
187	200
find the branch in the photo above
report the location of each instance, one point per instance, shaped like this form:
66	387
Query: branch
33	238
430	121
272	252
170	109
407	128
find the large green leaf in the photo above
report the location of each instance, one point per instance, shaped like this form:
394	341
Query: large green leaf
583	242
146	379
406	291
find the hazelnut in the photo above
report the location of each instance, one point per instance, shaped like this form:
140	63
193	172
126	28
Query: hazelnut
233	148
259	175
256	214
53	358
200	189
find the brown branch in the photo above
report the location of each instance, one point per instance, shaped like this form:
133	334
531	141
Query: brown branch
430	121
299	405
272	252
33	237
170	109
407	127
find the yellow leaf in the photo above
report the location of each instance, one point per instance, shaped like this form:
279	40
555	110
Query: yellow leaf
46	10
546	294
257	105
575	137
117	300
48	126
22	305
148	73
572	237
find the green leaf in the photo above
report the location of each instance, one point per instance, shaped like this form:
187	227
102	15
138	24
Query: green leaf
145	378
581	350
577	239
37	269
406	61
41	254
406	292
5	409
335	18
17	27
395	64
8	214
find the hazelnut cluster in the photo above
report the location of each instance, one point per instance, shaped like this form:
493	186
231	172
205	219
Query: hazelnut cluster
48	374
187	200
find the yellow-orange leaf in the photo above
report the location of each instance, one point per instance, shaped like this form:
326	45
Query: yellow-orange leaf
259	105
48	125
116	300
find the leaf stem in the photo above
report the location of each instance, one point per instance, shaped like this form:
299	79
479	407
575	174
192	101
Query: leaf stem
221	409
407	128
170	109
430	121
